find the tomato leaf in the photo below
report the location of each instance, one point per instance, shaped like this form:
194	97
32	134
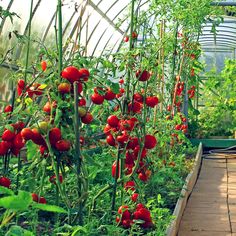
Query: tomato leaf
6	191
18	202
18	231
51	208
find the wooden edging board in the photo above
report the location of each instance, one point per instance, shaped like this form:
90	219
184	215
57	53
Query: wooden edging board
190	181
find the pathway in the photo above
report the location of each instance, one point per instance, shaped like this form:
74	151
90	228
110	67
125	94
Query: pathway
211	208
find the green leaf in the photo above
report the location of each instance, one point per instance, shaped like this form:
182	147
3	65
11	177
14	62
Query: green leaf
51	208
19	202
6	191
18	231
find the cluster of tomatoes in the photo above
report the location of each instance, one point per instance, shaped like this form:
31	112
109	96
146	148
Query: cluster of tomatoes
140	215
11	139
134	36
30	91
191	92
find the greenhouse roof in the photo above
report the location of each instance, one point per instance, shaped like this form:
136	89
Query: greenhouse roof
103	23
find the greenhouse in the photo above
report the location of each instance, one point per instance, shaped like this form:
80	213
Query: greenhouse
117	117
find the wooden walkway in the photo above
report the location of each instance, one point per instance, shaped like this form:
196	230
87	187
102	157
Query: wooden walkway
211	208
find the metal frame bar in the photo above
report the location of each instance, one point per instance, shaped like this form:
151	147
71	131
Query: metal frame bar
224	4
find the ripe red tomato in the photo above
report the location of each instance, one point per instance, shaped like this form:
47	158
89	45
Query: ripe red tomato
192	73
151	101
42	200
113	170
150	141
143	75
121	81
134	35
54	135
38	138
82	102
64	88
43	150
123	138
8	135
84	74
8	109
63	145
129	185
134	197
113	121
126	39
109	95
142	176
35	197
110	140
43	65
138	97
21	83
18	141
123	210
87	119
3	148
135	107
97	99
5	182
178	127
80	87
27	133
122	90
71	73
133	142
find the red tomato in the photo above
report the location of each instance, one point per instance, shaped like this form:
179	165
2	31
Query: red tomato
71	73
18	141
21	83
113	121
110	140
151	101
64	88
80	87
133	142
35	197
27	133
135	107
5	182
129	185
134	35
109	95
134	197
97	99
113	170
63	145
8	135
142	176
123	138
54	135
178	127
143	75
87	119
138	97
43	65
37	137
121	81
122	90
43	150
8	109
42	200
150	141
84	74
126	39
82	102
